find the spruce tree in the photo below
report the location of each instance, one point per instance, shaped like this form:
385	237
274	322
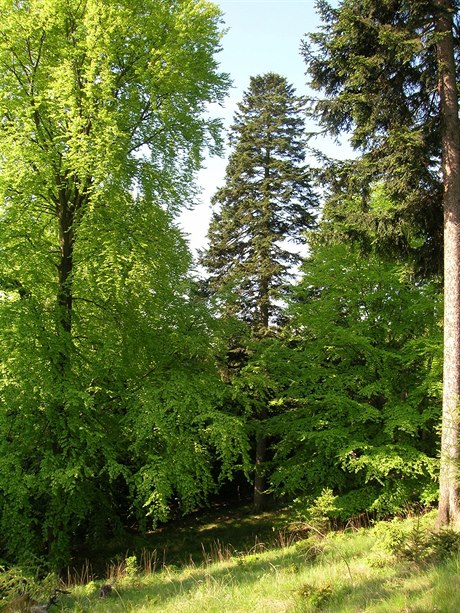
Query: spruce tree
375	62
266	202
267	199
388	72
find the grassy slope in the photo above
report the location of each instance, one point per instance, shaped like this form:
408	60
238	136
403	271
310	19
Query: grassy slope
345	572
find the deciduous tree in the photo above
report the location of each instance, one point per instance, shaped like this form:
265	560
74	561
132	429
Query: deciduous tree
107	391
358	371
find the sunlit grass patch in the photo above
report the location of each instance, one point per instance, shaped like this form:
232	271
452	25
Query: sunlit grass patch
343	572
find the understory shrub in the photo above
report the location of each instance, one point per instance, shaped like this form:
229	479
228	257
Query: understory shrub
419	543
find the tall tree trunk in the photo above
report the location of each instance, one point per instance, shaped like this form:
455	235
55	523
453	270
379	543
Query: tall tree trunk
449	500
66	240
65	214
259	477
260	484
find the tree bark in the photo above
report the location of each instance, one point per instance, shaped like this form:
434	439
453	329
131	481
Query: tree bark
449	500
66	241
259	477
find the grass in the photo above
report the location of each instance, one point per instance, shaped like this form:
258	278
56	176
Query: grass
235	528
344	572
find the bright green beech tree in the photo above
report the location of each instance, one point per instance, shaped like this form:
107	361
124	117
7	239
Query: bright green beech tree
106	385
359	374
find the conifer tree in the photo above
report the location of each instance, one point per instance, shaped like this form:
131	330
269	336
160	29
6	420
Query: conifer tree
267	200
388	72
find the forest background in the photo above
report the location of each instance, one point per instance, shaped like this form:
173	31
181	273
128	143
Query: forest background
132	391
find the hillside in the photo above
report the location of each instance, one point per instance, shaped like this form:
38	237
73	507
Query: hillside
398	566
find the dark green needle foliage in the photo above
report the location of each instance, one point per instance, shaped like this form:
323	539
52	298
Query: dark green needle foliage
389	73
375	62
264	208
267	200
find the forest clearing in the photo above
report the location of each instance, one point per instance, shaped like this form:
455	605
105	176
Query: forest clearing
307	356
392	567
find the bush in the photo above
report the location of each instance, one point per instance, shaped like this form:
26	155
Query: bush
418	543
315	515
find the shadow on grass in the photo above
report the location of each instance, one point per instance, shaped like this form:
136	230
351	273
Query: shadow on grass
409	590
191	539
329	580
161	588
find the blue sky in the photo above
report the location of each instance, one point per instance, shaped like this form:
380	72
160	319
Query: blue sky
263	36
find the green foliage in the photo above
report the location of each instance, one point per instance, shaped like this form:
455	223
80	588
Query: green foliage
267	199
389	75
311	547
361	364
409	545
131	567
316	514
109	398
365	213
316	596
416	542
17	581
375	64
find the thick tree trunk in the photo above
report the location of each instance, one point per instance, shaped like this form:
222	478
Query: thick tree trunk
449	499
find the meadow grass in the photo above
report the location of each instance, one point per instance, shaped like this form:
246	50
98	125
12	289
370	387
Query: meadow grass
347	571
344	572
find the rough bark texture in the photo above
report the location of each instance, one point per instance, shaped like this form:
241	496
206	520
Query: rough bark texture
449	500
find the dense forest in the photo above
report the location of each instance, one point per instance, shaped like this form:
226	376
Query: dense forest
320	347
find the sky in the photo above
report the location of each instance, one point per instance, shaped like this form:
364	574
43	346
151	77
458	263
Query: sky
263	36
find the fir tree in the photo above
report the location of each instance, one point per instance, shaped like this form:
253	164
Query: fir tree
267	201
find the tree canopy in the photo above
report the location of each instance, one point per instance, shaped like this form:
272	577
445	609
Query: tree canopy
376	63
389	74
109	396
358	397
267	201
313	355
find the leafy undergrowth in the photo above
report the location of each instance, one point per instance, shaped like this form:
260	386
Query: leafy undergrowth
397	566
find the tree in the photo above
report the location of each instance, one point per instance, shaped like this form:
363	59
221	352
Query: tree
449	483
388	70
267	200
357	368
107	382
95	92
